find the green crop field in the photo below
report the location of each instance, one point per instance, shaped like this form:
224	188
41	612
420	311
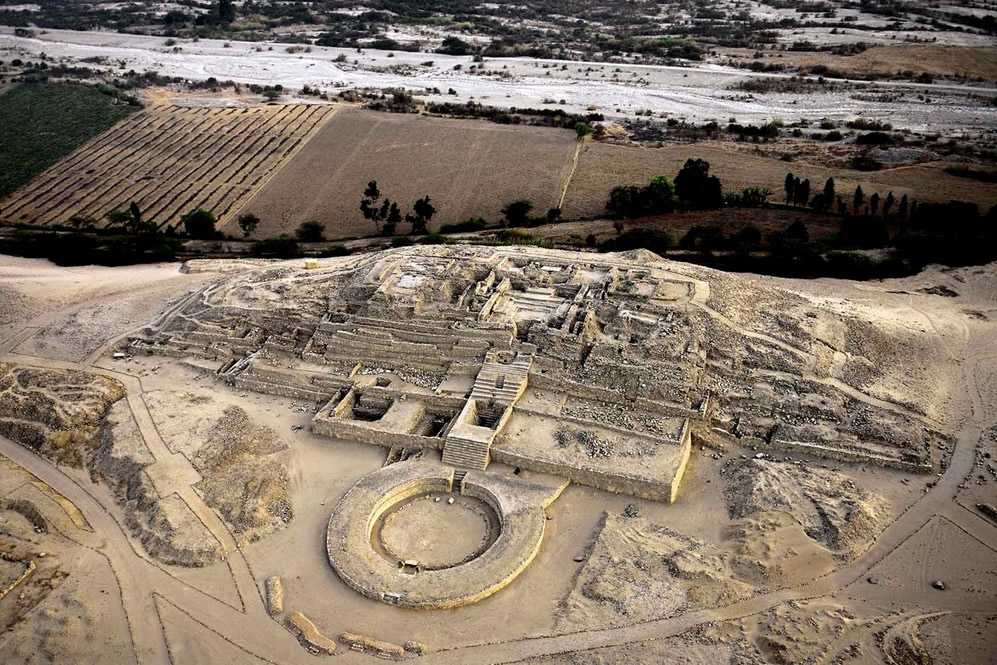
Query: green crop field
44	122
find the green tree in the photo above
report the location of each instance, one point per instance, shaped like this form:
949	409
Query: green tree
829	194
226	11
888	204
517	213
454	46
696	188
135	217
199	224
803	192
902	209
248	223
310	232
790	187
755	197
117	219
392	218
370	208
423	211
874	203
857	200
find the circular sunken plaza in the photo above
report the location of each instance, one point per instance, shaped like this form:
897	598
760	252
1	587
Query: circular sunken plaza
406	535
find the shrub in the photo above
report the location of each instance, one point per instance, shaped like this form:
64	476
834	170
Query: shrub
467	226
874	138
248	224
199	224
335	250
454	46
657	197
310	232
281	247
433	239
865	124
650	239
517	213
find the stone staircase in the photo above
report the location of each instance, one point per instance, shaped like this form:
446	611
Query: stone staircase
497	387
463	453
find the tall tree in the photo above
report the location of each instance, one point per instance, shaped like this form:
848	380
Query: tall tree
371	210
803	192
902	209
888	204
874	203
423	211
828	193
790	187
226	11
858	200
136	216
248	224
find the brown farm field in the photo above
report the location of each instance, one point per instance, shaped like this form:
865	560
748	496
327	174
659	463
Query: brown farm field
602	166
294	163
469	168
169	160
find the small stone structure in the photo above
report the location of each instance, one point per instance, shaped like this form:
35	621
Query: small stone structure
275	596
313	640
379	648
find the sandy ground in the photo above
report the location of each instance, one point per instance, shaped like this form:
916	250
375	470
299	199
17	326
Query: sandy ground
698	92
790	598
72	311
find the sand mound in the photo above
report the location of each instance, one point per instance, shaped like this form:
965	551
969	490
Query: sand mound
795	632
243	475
771	549
168	529
56	413
638	571
829	506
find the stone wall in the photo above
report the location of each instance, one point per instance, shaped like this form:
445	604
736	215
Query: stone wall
542	381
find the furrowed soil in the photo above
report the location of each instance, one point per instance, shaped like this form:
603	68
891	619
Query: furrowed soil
468	168
169	161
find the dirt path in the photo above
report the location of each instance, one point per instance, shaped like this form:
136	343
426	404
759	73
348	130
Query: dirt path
571	174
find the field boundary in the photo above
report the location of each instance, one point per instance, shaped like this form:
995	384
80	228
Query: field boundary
277	168
571	173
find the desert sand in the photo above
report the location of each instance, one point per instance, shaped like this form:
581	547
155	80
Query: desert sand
149	536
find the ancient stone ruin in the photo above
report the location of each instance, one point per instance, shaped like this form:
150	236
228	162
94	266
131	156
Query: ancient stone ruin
591	369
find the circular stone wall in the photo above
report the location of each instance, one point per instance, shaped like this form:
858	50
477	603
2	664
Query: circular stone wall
390	517
437	530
